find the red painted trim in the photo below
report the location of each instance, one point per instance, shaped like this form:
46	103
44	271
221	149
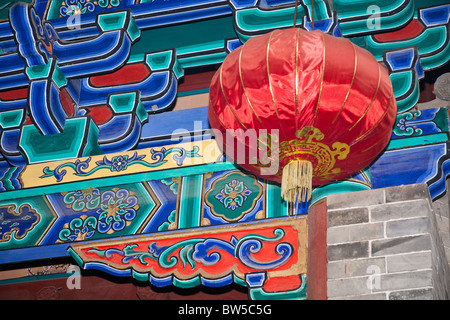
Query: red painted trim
15	94
281	284
317	251
130	73
196	81
67	102
411	30
100	114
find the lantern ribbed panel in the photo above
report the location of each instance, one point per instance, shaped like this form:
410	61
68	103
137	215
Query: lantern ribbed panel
331	102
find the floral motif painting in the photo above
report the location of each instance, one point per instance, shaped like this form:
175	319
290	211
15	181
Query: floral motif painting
114	210
233	195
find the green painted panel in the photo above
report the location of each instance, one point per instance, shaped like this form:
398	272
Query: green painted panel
133	30
11	119
275	206
185	284
38	71
401	82
436	60
112	21
123	102
188	34
215	58
352	8
410	101
297	294
190	205
159	60
417	141
255	19
6	5
59	78
70	143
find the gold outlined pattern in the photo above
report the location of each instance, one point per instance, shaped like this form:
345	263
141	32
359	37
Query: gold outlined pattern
16	211
373	99
229	106
296	70
270	82
375	125
243	87
234	136
351	84
387	133
293	227
308	144
321	82
226	100
223	126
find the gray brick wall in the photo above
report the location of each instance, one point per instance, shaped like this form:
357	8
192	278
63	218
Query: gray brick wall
387	244
442	212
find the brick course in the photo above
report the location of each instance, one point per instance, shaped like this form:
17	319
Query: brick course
387	244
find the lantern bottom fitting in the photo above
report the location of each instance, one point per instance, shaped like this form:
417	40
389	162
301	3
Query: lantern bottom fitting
296	183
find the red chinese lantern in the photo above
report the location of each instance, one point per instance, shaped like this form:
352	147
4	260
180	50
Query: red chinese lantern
330	100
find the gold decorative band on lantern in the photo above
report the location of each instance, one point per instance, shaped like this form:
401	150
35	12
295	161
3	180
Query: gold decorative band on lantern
296	183
308	147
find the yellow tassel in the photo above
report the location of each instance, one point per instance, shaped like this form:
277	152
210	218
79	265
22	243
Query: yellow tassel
297	181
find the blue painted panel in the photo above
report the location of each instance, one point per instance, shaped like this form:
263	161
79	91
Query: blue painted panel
162	125
166	194
407	166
